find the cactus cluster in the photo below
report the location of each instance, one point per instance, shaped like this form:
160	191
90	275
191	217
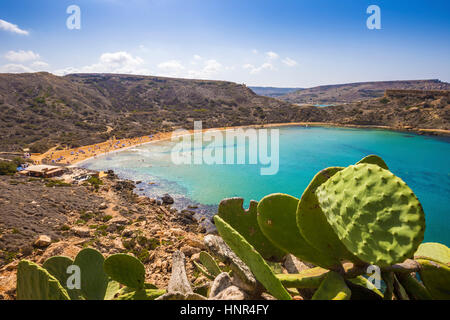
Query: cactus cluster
120	277
346	220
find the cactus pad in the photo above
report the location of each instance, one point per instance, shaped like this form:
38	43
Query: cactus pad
313	224
433	251
57	267
373	159
142	294
210	264
333	287
245	222
36	283
309	278
94	280
436	277
277	220
374	213
252	259
126	270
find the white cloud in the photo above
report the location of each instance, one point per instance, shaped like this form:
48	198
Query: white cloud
272	55
40	65
21	56
7	26
197	57
255	70
15	68
171	68
23	61
115	62
289	62
254	51
210	68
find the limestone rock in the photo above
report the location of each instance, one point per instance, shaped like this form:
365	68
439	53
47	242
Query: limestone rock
220	283
42	241
179	281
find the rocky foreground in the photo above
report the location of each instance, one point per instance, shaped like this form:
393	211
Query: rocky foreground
42	218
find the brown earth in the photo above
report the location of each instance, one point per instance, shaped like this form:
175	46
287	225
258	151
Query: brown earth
112	220
354	92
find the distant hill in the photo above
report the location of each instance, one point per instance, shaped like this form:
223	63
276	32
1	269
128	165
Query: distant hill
272	91
42	110
351	92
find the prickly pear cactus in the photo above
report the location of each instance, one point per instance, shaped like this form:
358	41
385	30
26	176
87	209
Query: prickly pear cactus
112	289
57	266
413	287
374	213
433	251
36	283
313	224
252	259
436	277
367	285
94	280
126	270
245	222
306	279
277	220
210	264
333	287
203	270
374	159
142	294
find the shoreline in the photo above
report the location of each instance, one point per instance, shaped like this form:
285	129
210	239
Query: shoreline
75	156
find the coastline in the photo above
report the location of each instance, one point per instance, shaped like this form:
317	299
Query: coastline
76	156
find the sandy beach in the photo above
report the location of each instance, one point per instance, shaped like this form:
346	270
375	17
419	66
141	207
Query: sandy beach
77	155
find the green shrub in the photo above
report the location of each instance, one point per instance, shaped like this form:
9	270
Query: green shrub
7	168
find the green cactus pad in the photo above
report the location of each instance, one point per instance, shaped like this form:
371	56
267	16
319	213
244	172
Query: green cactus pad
388	278
126	270
364	282
245	222
277	219
373	159
203	270
374	213
112	289
333	287
36	283
94	280
142	294
252	259
436	277
57	267
433	251
413	287
309	278
210	264
313	224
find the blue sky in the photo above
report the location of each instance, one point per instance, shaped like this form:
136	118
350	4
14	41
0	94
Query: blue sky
258	42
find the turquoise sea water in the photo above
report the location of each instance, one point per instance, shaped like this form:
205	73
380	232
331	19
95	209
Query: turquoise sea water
422	162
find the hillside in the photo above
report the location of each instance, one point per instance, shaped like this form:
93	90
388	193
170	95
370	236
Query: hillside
352	92
402	110
272	91
42	110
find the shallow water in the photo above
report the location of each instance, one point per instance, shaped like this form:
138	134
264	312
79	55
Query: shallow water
422	162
